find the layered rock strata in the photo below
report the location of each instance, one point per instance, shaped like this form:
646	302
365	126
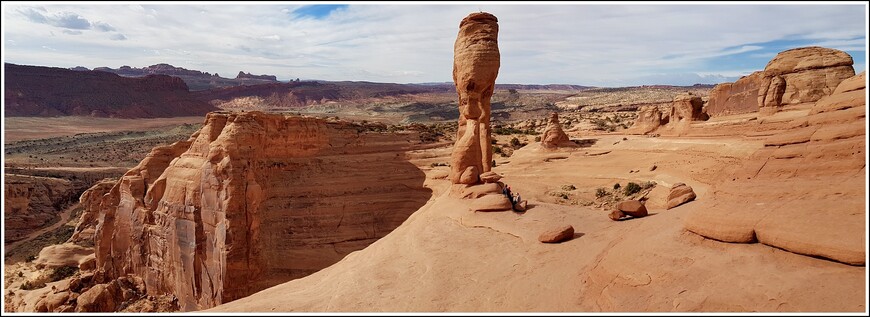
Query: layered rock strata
253	200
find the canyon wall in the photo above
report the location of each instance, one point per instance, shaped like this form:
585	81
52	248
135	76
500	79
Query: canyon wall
253	200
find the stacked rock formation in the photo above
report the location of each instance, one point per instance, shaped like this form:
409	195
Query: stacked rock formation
475	67
553	135
250	201
794	76
649	118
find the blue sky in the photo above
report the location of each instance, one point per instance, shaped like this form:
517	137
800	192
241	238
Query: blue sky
606	45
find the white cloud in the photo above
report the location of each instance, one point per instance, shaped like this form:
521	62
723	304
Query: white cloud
581	44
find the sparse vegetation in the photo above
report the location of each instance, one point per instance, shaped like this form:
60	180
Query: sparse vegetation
63	272
568	187
436	164
601	192
632	188
616	186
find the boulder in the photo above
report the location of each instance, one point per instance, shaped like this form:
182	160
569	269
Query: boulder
680	194
491	202
99	298
634	208
88	263
490	177
616	215
480	190
476	61
557	234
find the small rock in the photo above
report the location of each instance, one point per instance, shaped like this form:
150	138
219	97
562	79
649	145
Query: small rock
615	215
653	168
558	234
633	208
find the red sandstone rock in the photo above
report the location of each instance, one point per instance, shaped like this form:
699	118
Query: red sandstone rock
738	97
490	177
475	67
633	208
649	118
616	215
553	135
803	75
250	201
680	194
491	202
557	234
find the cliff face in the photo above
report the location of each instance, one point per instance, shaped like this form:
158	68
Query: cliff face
30	203
253	200
49	91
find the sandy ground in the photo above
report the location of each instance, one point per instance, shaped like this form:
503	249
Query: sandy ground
29	128
445	258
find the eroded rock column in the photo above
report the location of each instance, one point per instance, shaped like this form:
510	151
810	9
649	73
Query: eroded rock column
475	68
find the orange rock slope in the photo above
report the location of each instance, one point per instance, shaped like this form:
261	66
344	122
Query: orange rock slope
794	181
253	200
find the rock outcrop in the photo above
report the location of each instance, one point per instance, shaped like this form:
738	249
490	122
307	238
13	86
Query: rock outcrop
253	200
801	75
31	202
92	202
738	97
794	76
687	107
649	118
813	161
475	68
554	136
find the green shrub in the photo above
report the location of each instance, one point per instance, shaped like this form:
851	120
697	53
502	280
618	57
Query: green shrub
538	138
515	142
568	187
616	186
496	150
600	192
63	272
631	189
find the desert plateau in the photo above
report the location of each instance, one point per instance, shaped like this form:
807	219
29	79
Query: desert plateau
535	173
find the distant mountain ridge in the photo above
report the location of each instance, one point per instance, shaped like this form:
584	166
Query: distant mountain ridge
196	80
36	91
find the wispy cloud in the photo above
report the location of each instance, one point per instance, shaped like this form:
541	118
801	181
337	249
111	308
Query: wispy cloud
602	45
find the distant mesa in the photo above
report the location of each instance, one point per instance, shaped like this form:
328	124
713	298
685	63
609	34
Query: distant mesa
196	80
244	75
49	91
